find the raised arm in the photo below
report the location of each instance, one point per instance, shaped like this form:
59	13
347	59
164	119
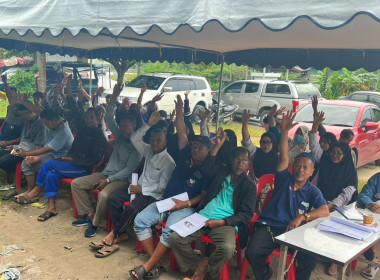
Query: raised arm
315	148
139	100
286	125
246	116
204	115
180	124
110	110
11	95
19	100
36	76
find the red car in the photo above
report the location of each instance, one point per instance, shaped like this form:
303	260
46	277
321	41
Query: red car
362	118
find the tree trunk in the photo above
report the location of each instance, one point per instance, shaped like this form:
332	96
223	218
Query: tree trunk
41	62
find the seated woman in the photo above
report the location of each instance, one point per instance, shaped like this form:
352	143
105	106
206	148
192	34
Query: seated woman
264	158
337	180
326	141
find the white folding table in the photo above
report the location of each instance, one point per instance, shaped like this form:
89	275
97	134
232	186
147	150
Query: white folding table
326	246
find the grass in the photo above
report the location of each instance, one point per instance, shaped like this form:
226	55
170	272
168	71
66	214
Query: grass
255	131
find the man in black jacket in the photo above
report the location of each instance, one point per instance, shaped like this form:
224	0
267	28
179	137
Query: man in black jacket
229	206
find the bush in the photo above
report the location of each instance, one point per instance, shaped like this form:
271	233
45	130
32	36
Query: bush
24	81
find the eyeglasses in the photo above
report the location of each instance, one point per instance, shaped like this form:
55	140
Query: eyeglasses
262	142
336	153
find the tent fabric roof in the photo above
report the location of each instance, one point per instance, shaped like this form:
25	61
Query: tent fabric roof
254	32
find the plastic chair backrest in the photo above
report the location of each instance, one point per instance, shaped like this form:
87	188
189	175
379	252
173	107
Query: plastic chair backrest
265	179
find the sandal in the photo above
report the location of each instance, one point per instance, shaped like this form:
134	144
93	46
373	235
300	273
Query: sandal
155	272
10	195
25	200
140	271
96	245
370	272
46	216
106	251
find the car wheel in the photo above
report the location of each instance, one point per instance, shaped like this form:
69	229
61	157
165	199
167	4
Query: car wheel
263	114
377	162
194	116
354	157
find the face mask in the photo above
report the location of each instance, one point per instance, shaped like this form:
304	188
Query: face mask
298	139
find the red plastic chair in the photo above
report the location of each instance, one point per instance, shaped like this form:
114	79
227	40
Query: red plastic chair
18	176
265	179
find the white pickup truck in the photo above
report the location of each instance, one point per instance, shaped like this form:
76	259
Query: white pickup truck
259	96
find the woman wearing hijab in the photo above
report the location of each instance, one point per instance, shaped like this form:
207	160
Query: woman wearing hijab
299	144
337	180
264	158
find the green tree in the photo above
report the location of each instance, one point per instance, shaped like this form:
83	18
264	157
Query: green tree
24	81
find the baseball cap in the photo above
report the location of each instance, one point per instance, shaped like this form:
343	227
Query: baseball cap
202	140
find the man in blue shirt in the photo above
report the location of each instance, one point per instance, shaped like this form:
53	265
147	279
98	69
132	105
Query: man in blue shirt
228	206
187	177
293	198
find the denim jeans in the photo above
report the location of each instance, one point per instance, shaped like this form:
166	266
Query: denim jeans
150	217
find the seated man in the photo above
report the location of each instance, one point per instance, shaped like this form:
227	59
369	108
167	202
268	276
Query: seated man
369	198
86	151
187	177
158	168
229	206
58	143
293	198
33	137
123	161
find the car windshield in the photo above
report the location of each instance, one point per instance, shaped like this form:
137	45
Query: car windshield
337	115
307	91
151	82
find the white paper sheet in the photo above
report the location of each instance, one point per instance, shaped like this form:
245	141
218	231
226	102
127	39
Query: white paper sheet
350	213
135	179
167	204
189	225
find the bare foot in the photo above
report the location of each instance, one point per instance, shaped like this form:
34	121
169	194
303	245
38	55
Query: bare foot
33	195
109	239
121	237
201	271
21	194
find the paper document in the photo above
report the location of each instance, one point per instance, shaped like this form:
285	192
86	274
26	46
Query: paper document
345	227
167	204
135	179
350	213
189	225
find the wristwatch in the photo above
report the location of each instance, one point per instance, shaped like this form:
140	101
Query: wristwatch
108	181
307	216
188	203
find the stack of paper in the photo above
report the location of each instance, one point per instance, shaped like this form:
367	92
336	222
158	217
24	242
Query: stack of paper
350	213
167	204
347	228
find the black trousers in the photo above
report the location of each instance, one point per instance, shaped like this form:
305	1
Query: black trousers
122	217
8	162
262	245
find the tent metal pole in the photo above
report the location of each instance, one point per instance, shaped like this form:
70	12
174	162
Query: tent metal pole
219	93
90	76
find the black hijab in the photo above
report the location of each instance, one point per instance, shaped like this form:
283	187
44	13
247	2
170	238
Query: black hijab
266	163
334	177
224	153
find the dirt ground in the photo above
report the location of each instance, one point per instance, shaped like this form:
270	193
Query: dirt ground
42	253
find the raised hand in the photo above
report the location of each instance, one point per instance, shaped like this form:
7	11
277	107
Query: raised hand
221	136
64	81
287	121
204	114
37	75
246	116
172	115
178	105
68	85
154	118
99	91
187	92
117	89
143	88
319	118
314	103
157	97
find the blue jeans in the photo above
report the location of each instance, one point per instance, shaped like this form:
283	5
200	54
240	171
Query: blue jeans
150	217
54	170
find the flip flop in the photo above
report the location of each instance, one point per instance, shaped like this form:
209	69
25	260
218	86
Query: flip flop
106	251
46	216
25	200
154	272
10	195
140	271
96	245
